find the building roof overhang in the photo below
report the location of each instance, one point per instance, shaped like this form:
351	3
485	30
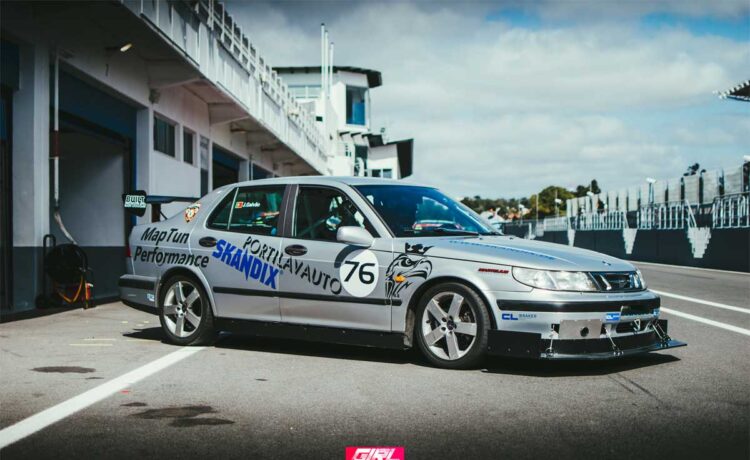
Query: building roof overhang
404	151
374	77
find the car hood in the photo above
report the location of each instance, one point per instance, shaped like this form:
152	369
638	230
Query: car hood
510	250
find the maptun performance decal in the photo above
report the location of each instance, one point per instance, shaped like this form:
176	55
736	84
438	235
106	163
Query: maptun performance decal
407	266
161	257
157	236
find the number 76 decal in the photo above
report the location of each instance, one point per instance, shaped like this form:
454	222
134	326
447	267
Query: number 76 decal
359	273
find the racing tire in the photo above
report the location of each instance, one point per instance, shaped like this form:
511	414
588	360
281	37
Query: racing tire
451	326
185	312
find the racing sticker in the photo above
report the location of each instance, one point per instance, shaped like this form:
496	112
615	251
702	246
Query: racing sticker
359	273
412	263
191	211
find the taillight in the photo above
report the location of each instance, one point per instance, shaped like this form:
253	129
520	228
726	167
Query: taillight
127	251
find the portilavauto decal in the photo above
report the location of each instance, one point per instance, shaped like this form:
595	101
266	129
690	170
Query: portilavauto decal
161	257
191	211
241	260
407	265
291	265
158	236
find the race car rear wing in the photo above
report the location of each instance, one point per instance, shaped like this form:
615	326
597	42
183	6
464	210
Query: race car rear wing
135	203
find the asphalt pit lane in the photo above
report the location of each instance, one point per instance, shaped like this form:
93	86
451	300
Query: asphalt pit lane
175	412
207	421
182	417
134	404
64	369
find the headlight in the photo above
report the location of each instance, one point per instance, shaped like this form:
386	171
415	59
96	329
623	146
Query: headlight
640	280
554	280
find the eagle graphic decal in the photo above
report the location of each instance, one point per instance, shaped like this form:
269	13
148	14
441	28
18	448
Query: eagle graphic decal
412	263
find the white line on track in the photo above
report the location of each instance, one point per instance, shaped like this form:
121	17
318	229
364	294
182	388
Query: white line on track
710	322
704	302
690	268
47	417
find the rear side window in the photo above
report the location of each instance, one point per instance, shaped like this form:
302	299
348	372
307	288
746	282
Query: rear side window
252	210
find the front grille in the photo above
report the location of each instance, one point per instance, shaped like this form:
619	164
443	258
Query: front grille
617	281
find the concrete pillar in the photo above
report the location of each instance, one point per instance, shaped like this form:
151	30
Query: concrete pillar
31	197
144	146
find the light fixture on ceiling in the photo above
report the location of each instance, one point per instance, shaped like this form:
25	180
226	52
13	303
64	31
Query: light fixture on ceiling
121	47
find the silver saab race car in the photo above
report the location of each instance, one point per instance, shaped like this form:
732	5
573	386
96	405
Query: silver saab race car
381	263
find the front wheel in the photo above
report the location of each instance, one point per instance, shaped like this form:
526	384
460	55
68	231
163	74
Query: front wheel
452	326
185	312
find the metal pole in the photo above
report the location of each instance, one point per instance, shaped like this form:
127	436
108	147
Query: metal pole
330	73
322	58
328	57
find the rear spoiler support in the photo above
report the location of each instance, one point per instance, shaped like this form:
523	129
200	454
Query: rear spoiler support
136	202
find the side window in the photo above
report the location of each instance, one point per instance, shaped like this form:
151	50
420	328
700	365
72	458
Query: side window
249	210
320	212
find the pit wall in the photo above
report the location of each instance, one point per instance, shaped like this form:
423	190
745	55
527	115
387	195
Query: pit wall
723	249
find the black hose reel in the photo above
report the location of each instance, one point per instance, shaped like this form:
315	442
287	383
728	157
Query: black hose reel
67	267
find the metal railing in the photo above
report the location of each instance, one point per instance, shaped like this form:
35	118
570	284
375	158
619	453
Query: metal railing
213	42
551	224
731	211
611	220
673	215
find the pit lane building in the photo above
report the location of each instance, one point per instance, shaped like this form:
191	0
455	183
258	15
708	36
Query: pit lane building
168	97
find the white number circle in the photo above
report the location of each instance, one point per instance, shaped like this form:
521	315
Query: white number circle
359	273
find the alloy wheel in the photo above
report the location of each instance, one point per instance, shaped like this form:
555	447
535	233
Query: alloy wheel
183	308
449	326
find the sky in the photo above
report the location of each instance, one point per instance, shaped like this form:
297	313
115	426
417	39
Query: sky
506	98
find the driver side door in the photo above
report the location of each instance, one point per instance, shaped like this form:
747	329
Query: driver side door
326	282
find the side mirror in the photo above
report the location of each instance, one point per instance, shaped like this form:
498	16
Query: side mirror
357	236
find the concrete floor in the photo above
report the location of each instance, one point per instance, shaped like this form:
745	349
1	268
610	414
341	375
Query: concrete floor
246	398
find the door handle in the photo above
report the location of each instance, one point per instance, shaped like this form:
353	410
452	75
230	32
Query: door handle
207	241
296	250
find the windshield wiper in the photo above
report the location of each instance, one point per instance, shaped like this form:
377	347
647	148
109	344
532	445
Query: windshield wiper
454	231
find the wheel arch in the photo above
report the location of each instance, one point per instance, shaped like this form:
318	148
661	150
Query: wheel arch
419	292
181	270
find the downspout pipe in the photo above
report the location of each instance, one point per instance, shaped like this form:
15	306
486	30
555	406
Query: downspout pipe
55	154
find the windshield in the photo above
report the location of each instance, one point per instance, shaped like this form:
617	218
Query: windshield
423	211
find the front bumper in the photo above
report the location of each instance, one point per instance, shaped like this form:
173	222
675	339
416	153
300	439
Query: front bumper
532	345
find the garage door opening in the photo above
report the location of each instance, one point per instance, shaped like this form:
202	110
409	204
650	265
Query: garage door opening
94	173
226	167
96	141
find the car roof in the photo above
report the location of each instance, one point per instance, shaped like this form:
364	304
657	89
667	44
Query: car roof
327	180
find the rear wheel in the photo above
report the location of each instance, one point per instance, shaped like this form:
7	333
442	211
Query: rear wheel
452	324
185	312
